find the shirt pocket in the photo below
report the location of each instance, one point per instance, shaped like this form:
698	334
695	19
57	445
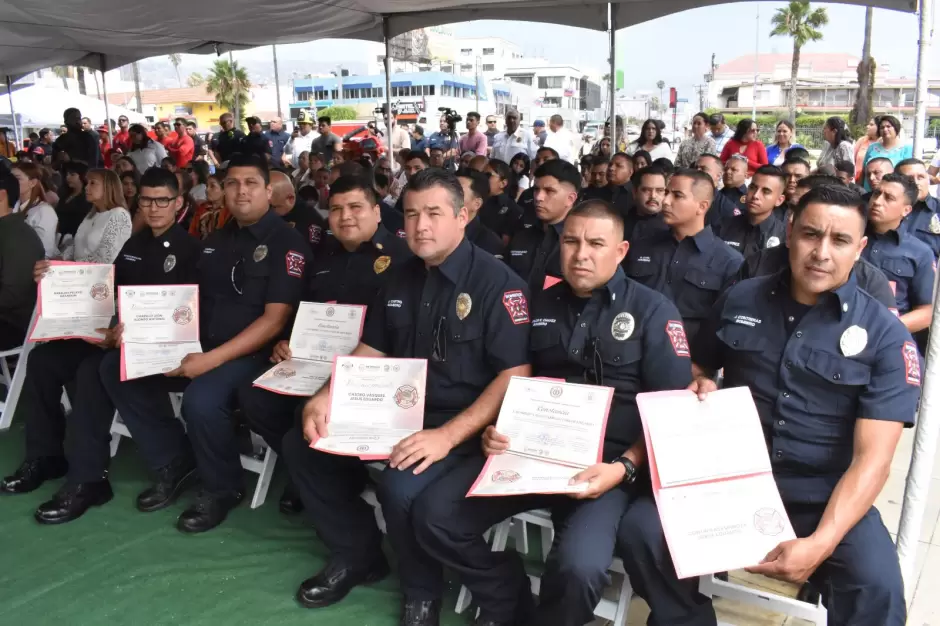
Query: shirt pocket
700	292
837	383
617	362
899	269
254	291
466	353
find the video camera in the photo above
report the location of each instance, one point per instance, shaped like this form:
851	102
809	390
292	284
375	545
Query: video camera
452	118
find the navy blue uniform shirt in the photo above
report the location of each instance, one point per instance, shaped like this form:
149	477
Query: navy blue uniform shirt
747	239
735	195
227	143
258	145
170	259
416	315
924	223
243	269
529	217
907	263
392	217
482	237
638	226
813	371
534	254
277	140
692	273
501	214
721	210
625	336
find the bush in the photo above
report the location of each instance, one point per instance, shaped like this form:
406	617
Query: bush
338	113
770	121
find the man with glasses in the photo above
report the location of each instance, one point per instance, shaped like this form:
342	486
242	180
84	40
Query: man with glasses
122	139
256	142
251	277
77	447
182	148
466	313
228	140
277	138
491	131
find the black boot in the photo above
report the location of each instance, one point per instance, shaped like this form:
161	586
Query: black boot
72	500
172	480
208	511
290	503
420	613
335	581
32	474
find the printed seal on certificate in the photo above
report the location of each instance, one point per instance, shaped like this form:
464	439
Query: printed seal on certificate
406	396
556	392
362	448
183	315
506	476
284	372
100	291
768	521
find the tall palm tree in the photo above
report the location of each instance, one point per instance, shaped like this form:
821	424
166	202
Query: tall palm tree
800	22
225	80
195	79
660	84
176	59
861	112
62	71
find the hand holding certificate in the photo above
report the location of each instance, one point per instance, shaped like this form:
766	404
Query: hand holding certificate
161	326
75	300
717	499
555	430
374	404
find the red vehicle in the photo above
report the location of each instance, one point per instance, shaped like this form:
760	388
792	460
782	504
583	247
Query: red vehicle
358	140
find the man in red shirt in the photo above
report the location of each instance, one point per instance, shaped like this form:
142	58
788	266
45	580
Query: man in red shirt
182	148
164	136
104	146
122	139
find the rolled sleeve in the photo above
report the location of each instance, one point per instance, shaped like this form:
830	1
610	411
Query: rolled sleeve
507	326
666	362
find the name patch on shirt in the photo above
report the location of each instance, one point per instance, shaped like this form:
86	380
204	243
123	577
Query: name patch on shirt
208	250
295	262
911	363
744	320
542	321
315	233
643	259
676	332
393	304
130	257
733	243
516	306
518	252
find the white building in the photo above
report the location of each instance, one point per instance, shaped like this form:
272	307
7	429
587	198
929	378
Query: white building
491	56
569	91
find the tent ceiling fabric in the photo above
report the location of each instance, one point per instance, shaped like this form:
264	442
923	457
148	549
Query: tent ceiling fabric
42	33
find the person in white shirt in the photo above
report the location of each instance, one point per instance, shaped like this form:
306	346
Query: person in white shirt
302	142
514	140
560	139
41	217
399	138
102	234
145	152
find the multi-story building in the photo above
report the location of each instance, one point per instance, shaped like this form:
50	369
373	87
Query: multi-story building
490	56
562	89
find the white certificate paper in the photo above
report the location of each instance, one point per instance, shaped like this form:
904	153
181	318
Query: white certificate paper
148	359
374	404
159	314
322	331
717	499
74	300
555	430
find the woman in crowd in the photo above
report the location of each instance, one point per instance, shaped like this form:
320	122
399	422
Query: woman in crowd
641	159
783	141
106	228
521	165
184	216
199	177
72	206
698	144
861	147
603	149
211	214
130	186
302	175
746	143
145	152
891	146
650	140
838	143
39	214
125	164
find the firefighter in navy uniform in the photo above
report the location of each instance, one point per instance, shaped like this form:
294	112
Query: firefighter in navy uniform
688	264
924	220
467	314
533	252
527	198
476	190
722	209
835	377
646	219
734	178
251	277
758	227
162	254
349	268
596	327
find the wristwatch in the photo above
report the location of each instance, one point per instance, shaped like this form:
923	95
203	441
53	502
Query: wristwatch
630	468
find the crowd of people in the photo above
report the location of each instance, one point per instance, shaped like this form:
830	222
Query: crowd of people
790	277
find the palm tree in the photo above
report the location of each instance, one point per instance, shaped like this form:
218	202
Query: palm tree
800	22
660	84
866	78
195	79
62	71
176	59
225	80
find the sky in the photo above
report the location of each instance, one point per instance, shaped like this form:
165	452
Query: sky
681	44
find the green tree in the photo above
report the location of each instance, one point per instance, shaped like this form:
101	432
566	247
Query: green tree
195	79
661	84
224	81
800	22
338	113
176	59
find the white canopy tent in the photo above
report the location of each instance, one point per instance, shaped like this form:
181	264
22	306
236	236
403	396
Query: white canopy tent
39	106
105	34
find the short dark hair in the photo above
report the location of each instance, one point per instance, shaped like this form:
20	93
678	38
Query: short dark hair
308	193
796	160
838	195
622	155
345	184
846	167
665	165
479	182
910	187
44	132
797	153
417	154
351	168
438	148
716	118
435	177
474	115
418	130
774	172
250	160
252	120
598	209
698	178
599	160
501	168
159	177
906	162
11	185
190	124
713	157
647	171
325	119
817	180
880	158
562	171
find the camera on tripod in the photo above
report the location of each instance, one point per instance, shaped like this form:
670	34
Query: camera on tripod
451	116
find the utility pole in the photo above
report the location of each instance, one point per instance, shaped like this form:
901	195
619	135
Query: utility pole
701	96
339	84
277	82
476	75
235	88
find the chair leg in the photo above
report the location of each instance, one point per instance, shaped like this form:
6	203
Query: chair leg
264	478
15	386
548	538
623	602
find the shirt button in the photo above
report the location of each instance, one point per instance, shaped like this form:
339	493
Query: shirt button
779	454
781	423
790	319
799	334
836	376
789	364
734	343
427	304
583	324
897	271
616	359
703	283
575	351
786	394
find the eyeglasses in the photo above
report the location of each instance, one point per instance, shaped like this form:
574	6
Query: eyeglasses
439	349
177	124
238	275
145	202
592	351
490	121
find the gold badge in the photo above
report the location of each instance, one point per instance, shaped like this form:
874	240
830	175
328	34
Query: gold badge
743	199
261	253
464	304
935	224
381	264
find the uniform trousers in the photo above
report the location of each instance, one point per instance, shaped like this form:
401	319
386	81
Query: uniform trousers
860	582
269	414
330	486
207	410
450	528
11	336
84	437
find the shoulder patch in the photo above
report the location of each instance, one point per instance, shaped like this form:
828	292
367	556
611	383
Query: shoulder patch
295	262
516	306
911	363
676	332
314	233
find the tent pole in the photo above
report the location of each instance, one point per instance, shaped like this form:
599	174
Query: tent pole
614	137
235	86
920	91
388	88
104	90
16	134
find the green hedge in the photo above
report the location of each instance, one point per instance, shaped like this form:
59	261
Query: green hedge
338	113
772	120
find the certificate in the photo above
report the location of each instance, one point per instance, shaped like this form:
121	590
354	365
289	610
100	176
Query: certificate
374	404
717	499
322	331
74	300
159	314
555	430
148	359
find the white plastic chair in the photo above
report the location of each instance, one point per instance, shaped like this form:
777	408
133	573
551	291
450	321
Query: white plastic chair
14	381
760	598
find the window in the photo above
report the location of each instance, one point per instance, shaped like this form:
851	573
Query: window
466	68
447	69
303	95
465	52
431	90
488	52
447	90
551	102
425	90
522	80
489	67
333	94
551	82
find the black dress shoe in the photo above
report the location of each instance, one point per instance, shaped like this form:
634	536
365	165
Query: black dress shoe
290	503
420	613
32	474
208	511
335	581
72	500
172	480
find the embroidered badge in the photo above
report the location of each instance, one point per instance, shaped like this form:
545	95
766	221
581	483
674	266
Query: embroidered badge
911	363
516	306
295	264
676	332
